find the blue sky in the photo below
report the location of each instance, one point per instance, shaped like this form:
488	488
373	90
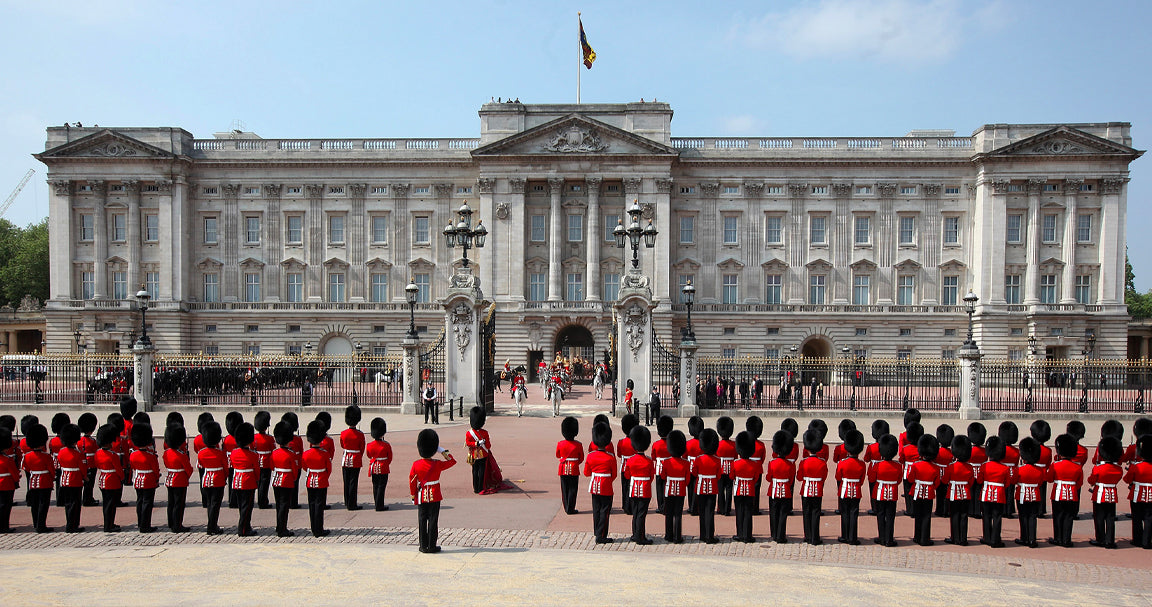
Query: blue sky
397	69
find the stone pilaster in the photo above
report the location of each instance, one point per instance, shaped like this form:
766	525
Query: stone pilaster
1113	212
970	355
100	264
1068	248
313	238
62	239
1032	280
634	336
230	242
797	245
592	239
462	314
411	395
273	243
132	192
688	406
555	236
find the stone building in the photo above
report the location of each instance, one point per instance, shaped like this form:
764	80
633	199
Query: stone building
865	245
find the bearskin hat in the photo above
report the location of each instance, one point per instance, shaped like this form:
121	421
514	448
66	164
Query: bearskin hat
211	434
928	447
813	442
283	433
27	422
1076	429
570	427
995	449
664	425
945	434
602	435
782	443
725	426
69	435
641	438
378	428
755	426
106	435
977	434
1144	448
709	441
325	418
790	426
261	421
142	418
5	438
174	419
695	426
352	415
233	419
1029	450
1066	446
59	421
677	443
316	432
1041	431
128	406
962	448
477	417
600	419
854	442
819	426
745	445
911	416
175	435
87	423
1110	449
292	419
630	421
202	419
1112	427
889	445
1141	427
1008	432
141	436
9	422
244	434
117	421
879	429
427	442
913	433
846	426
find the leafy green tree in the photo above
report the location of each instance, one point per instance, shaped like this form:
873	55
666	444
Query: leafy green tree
1139	304
24	266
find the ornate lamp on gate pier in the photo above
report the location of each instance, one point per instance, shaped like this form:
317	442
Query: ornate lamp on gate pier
411	292
463	235
689	293
143	296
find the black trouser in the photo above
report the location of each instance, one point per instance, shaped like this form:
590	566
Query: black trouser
1142	524
1043	493
231	493
213	497
744	511
479	467
71	499
958	515
245	499
706	509
885	520
145	498
810	507
56	487
568	485
673	518
177	500
1029	511
756	498
640	518
89	484
1010	504
316	500
922	521
109	500
283	497
993	517
431	411
262	485
379	485
908	498
428	522
659	484
1063	515
849	519
625	501
724	501
351	484
692	494
601	508
941	506
1104	518
651	414
38	500
6	510
778	509
976	506
295	495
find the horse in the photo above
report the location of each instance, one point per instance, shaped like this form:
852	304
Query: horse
598	384
557	396
519	394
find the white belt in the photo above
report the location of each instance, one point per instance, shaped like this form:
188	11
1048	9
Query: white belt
244	470
213	469
430	483
69	469
601	474
746	478
705	476
756	459
1041	466
1100	490
639	478
39	472
1136	485
955	488
282	470
848	482
353	451
571	459
4	474
263	453
107	471
316	471
998	484
379	459
886	482
677	478
728	459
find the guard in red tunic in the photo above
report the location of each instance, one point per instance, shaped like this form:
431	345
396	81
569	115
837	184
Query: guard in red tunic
811	474
479	445
327	445
996	478
1113	428
1076	430
755	428
910	455
263	444
624	451
727	454
570	452
87	446
944	435
925	478
911	416
840	452
780	477
145	474
977	435
744	473
1041	432
1139	480
213	464
1009	433
885	478
9	480
352	442
231	421
1066	475
245	476
317	468
424	486
640	470
1140	428
664	425
956	485
128	410
1102	484
1029	486
675	472
872	457
706	470
285	469
379	454
179	467
600	466
821	428
850	475
110	474
297	448
790	426
37	465
59	420
73	472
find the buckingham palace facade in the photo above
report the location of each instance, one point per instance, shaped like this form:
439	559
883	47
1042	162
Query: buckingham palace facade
831	244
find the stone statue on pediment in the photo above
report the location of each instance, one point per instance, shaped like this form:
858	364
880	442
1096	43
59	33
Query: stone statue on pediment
574	139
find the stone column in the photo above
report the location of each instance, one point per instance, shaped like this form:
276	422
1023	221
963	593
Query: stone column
229	238
666	287
886	236
797	244
62	239
512	223
555	236
177	221
1068	280
688	406
634	336
357	243
142	355
1032	280
273	249
1113	211
592	239
313	225
463	308
841	237
752	237
411	398
132	191
501	262
100	263
969	355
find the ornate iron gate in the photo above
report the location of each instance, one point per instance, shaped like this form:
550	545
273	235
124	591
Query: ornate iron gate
665	374
432	365
488	360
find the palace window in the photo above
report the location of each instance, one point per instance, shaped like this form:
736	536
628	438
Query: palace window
152	284
379	287
1012	288
730	292
1013	229
1048	234
295	231
816	287
951	230
817	232
611	289
379	229
952	190
211	233
861	287
731	189
87	285
336	287
774	289
295	292
119	285
907	230
119	230
863	189
1083	289
87	228
537	286
336	229
539	228
212	287
252	230
683	281
687	229
731	223
252	287
1083	228
575	228
863	230
610	222
151	228
773	233
420	232
575	282
423	287
1048	288
905	290
949	290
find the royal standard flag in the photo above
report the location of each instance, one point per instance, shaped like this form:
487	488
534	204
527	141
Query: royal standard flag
589	54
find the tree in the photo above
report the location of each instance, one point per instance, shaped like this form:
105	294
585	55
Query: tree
24	265
1139	304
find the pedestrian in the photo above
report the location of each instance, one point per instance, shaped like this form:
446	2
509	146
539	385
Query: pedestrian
885	477
285	470
640	472
73	471
726	452
997	477
600	467
706	469
352	444
811	474
1029	478
664	426
850	474
1102	484
1139	480
652	411
317	468
925	478
213	468
263	445
957	484
145	474
570	452
431	410
780	476
179	467
744	472
479	445
744	389
624	451
379	454
109	481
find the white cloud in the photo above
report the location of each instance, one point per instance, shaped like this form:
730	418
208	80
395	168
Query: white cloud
886	31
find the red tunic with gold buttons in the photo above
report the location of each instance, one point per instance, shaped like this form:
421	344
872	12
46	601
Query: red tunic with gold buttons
179	467
706	469
956	482
110	472
73	468
744	474
1028	480
38	465
925	477
352	442
675	472
884	476
850	473
570	453
379	453
424	479
285	468
640	471
145	468
245	469
780	476
996	478
1102	482
1066	476
316	465
811	474
601	467
213	464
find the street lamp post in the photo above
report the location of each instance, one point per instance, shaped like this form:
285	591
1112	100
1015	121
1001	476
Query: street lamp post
355	372
411	292
851	378
634	232
463	234
1029	372
689	293
795	384
76	336
970	307
143	296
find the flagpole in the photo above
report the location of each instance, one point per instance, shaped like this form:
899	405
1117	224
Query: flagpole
579	61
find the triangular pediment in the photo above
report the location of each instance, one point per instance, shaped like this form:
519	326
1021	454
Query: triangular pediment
908	265
1064	141
251	262
292	262
687	263
104	144
952	264
379	263
209	263
574	135
775	264
819	264
863	265
335	262
730	264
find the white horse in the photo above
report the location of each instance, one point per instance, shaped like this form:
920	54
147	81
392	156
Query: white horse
598	383
557	396
520	395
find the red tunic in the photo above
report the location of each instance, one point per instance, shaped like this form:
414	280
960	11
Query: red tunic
379	453
909	455
839	453
1045	457
328	447
54	447
1066	476
1081	455
794	454
943	459
1129	455
212	463
996	476
424	479
38	465
675	472
284	468
9	475
145	468
706	468
1028	479
979	456
73	468
822	453
1139	479
110	470
1012	460
811	474
179	467
759	452
624	451
198	443
263	444
1102	483
850	473
317	466
872	455
352	442
780	476
885	475
478	442
691	450
640	471
925	477
570	453
957	481
727	454
87	445
245	469
744	474
601	467
228	446
659	454
296	446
